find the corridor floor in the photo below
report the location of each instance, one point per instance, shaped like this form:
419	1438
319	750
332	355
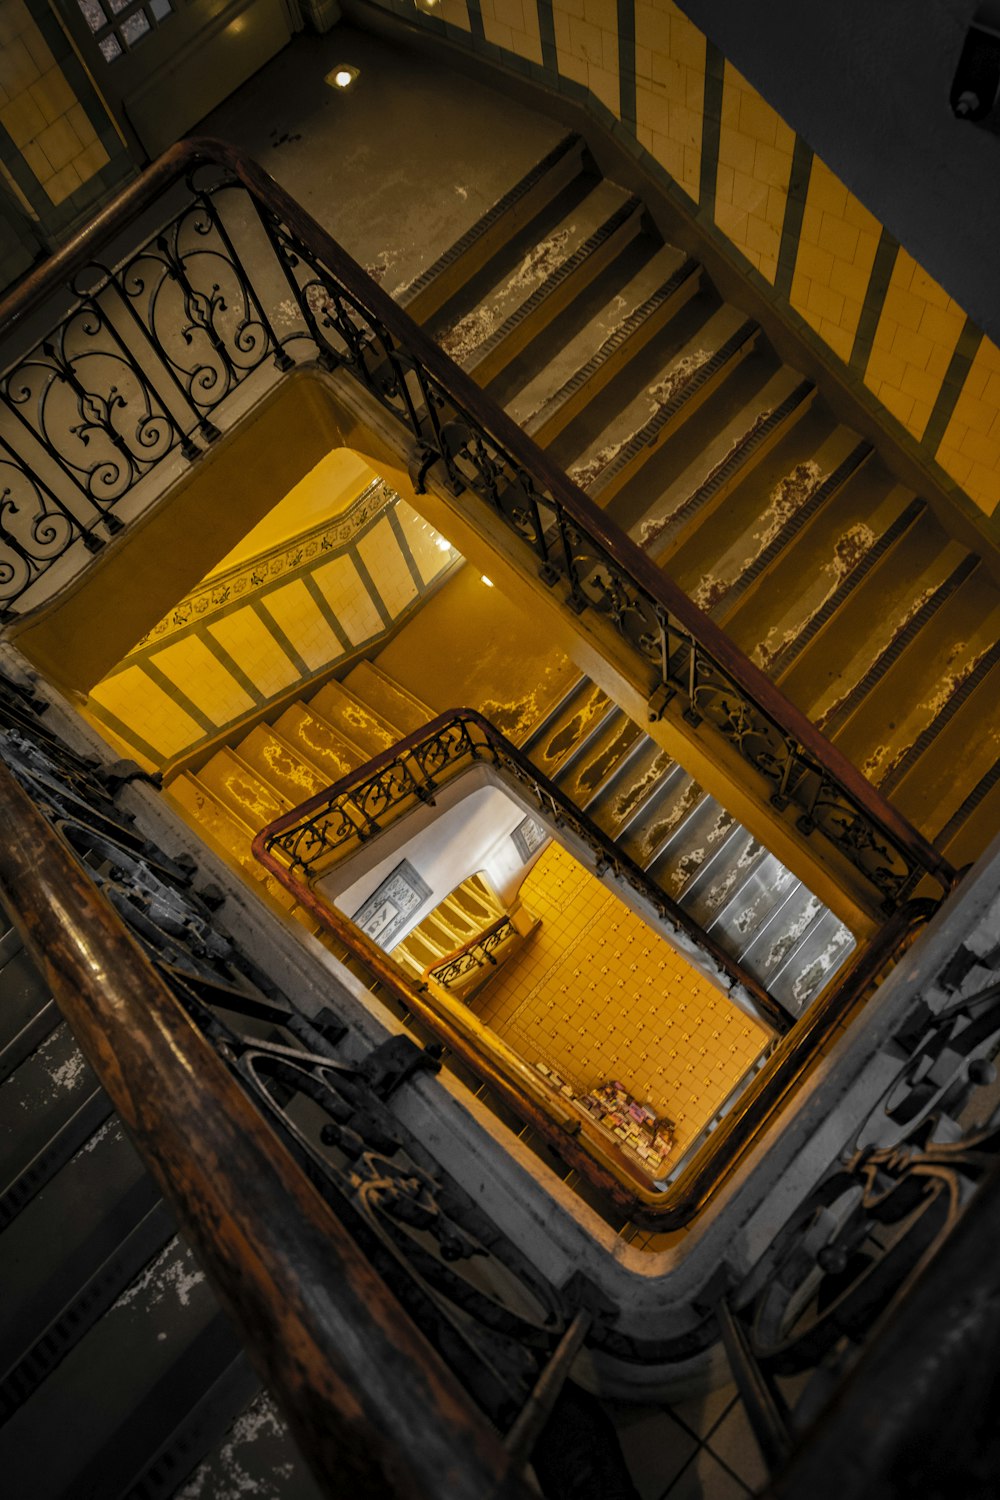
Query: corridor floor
596	994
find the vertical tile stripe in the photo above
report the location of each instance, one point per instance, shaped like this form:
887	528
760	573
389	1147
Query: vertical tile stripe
124	731
476	21
715	67
626	63
177	695
271	625
222	656
795	207
322	603
959	366
547	33
369	583
878	285
404	547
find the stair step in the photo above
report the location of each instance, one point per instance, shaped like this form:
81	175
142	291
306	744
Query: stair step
582	778
520	304
257	1448
34	1031
718	563
912	627
722	876
927	683
353	719
579	714
933	791
27	1014
810	965
241	791
642	776
615	457
781	931
277	764
316	742
765	889
837	658
605	345
42	1099
792	508
390	700
818	573
70	1253
725	460
661	818
123	1390
961	840
226	833
495	229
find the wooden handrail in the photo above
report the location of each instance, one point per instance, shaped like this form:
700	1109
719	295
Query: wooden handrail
373	1409
620	549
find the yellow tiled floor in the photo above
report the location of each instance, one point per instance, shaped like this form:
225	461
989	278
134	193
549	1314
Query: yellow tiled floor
596	994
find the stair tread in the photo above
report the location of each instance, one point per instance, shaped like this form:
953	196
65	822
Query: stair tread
607	453
25	993
923	679
827	670
965	750
225	832
39	1098
465	339
316	742
583	781
277	764
536	403
723	461
811	963
579	713
241	790
770	945
347	715
715	557
258	1448
816	566
388	697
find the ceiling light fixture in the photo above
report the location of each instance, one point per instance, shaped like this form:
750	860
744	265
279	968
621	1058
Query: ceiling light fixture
342	76
488	581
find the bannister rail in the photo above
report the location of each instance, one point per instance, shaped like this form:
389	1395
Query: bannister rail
296	840
361	803
242	285
473	956
373	1408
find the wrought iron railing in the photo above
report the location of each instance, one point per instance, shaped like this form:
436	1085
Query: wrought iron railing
300	845
466	964
133	356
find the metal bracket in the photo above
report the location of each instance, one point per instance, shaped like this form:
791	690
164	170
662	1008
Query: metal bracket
656	707
395	1062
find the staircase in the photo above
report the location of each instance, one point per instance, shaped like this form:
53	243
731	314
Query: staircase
671	409
120	1376
692	848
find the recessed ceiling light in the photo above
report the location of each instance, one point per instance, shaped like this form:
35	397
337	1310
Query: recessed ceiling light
427	5
488	581
442	544
342	76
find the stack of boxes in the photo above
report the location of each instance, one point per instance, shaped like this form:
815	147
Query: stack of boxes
634	1126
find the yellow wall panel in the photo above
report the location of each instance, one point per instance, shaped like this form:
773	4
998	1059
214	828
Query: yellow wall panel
914	342
755	164
836	253
252	646
190	664
299	616
970	448
587	47
513	25
670	90
39	110
154	716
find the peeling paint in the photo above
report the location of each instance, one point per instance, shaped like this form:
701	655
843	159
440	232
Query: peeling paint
655	525
631	796
659	395
848	551
172	1272
477	326
787	497
881	642
229	1477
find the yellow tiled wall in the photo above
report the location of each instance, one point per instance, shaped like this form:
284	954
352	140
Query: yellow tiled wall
837	246
587	46
970	448
513	25
914	342
755	164
670	89
39	110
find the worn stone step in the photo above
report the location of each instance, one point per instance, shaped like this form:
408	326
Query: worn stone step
780	932
813	961
682	838
70	1253
933	792
837	658
277	764
913	696
757	902
392	702
121	1392
722	878
312	739
616	455
585	708
27	1013
820	569
645	773
603	347
227	833
241	790
583	778
40	1099
517	306
353	720
495	229
971	826
661	518
258	1449
722	561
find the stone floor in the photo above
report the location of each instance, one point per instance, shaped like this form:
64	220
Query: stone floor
397	168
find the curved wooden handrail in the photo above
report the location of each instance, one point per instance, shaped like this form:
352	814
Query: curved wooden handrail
372	1407
666	594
